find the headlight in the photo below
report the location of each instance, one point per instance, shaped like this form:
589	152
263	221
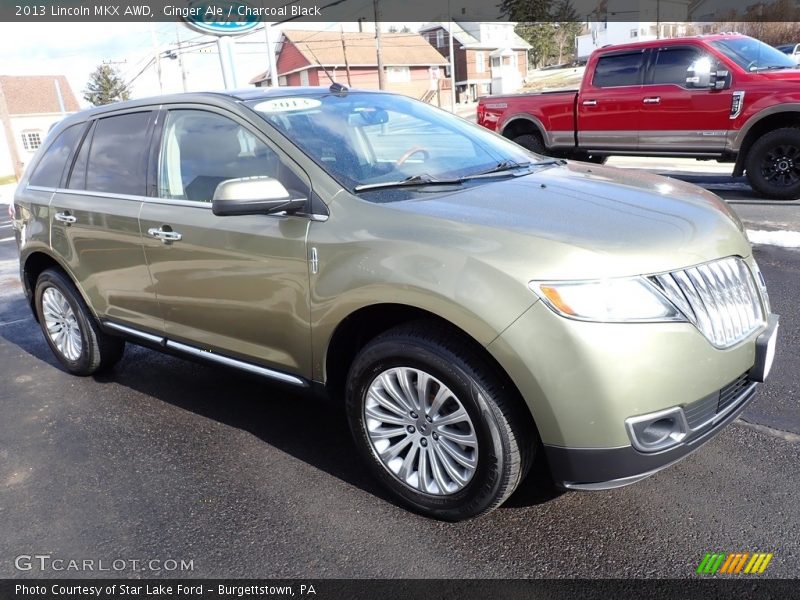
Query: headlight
610	300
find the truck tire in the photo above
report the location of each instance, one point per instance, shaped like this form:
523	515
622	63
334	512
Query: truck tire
436	424
773	164
70	328
530	141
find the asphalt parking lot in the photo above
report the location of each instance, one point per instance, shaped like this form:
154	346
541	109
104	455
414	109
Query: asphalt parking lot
170	460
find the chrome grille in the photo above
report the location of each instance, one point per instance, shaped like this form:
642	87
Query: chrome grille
720	298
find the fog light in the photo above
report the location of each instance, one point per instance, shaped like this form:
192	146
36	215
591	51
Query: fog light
657	431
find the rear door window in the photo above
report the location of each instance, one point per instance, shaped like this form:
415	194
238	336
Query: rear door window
50	168
118	154
618	70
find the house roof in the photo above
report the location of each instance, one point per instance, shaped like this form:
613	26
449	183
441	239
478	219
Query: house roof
36	94
399	49
468	40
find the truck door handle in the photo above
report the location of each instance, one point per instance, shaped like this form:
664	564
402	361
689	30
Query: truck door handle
166	236
652	100
65	217
589	102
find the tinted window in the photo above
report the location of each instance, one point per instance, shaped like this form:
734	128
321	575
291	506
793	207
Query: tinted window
117	157
672	65
619	70
199	150
77	178
50	168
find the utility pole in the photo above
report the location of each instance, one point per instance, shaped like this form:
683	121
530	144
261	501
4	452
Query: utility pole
381	74
346	64
273	67
452	63
157	56
180	58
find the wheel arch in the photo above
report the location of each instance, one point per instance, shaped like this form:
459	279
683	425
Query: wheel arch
520	124
33	264
769	119
367	322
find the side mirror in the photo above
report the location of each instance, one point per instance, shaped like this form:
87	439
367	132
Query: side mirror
253	196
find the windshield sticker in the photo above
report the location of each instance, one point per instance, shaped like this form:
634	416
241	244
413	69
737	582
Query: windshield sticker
279	105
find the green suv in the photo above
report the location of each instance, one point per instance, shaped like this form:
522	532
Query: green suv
472	305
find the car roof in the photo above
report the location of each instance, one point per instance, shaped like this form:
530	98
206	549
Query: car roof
213	98
671	42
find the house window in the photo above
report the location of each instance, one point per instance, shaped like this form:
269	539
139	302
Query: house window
31	140
304	77
480	62
440	38
496	62
398	74
282	80
634	33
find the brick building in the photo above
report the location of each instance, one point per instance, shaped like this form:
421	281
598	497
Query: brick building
412	66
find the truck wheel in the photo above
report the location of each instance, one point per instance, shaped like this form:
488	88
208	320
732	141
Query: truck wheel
530	141
70	329
436	424
773	164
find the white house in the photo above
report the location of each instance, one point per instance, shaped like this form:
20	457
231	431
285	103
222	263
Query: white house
626	21
29	107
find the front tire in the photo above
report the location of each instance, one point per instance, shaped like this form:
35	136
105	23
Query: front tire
773	164
70	329
436	424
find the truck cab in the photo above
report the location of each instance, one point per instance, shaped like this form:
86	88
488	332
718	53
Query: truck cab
725	97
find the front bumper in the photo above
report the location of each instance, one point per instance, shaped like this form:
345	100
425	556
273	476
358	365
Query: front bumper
607	468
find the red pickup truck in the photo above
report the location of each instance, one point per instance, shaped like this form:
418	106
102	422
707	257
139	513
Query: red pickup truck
727	97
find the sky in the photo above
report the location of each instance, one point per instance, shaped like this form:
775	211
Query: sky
76	49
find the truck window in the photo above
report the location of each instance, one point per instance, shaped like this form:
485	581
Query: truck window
51	166
672	65
619	70
117	158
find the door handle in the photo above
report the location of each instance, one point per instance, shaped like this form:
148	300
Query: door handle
65	217
652	100
165	236
589	102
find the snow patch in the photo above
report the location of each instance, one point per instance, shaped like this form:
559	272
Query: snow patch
785	239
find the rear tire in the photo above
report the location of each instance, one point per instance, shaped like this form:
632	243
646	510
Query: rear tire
70	328
530	141
497	437
773	164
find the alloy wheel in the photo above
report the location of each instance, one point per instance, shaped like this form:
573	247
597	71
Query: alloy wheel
61	324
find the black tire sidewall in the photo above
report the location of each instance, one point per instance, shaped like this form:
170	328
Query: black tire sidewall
485	484
86	363
755	156
530	141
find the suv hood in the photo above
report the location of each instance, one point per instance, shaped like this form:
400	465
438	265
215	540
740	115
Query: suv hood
581	221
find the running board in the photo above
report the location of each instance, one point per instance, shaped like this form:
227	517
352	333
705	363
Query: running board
208	355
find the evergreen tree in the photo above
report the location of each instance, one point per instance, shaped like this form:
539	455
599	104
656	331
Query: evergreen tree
105	86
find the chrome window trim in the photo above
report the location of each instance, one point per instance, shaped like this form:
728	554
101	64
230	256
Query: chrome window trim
40	188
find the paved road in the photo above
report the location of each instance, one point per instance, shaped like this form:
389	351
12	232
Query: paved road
165	459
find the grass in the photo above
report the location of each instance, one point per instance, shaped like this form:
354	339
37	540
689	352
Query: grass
5	179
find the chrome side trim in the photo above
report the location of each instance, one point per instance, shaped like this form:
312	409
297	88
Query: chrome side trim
613	483
134	332
237	364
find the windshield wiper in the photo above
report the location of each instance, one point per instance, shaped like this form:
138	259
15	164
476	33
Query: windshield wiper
413	181
510	165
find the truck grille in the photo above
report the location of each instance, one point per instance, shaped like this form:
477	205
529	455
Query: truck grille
720	298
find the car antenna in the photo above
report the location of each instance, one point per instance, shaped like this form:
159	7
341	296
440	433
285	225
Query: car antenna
338	89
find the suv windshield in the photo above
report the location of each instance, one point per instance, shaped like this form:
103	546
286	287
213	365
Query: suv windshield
371	140
753	55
